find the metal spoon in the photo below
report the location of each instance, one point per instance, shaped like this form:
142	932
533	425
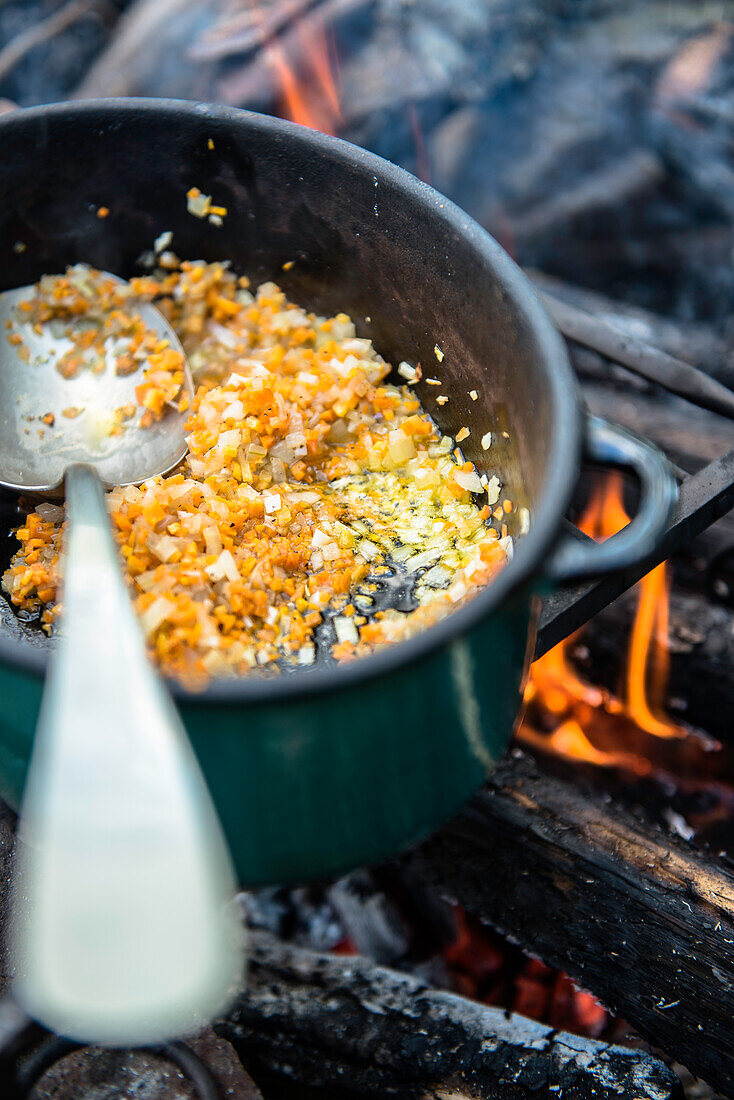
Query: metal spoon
123	929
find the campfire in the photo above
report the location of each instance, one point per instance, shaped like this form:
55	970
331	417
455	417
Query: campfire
573	711
571	930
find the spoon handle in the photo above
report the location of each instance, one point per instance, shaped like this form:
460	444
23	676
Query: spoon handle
124	926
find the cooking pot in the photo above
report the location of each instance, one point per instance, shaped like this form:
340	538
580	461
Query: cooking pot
326	769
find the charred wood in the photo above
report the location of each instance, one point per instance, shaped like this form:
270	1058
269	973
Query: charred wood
640	357
120	68
373	924
612	186
694	341
640	918
247	30
257	81
341	1022
691	437
47	29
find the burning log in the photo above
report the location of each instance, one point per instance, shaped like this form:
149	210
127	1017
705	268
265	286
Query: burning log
335	1022
640	918
284	70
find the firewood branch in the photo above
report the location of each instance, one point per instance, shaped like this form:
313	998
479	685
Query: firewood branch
344	1022
113	71
640	918
23	43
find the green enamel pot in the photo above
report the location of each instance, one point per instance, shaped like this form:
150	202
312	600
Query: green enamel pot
332	768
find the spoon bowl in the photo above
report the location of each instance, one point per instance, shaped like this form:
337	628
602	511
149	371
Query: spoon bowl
34	455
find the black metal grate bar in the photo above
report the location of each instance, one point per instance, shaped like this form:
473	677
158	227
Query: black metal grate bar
704	497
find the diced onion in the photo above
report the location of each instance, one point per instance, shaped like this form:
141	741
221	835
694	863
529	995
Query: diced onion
212	539
198	204
177	491
164	547
235	411
161	243
224	566
493	491
145	581
426	478
368	550
235	380
400	447
419	560
469	480
437	577
228	439
457	591
158	612
507	545
319	537
346	630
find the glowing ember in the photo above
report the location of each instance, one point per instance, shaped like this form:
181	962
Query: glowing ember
484	965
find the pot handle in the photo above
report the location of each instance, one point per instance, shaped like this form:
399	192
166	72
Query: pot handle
611	445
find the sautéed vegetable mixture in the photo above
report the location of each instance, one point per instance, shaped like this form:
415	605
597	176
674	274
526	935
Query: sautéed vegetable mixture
309	478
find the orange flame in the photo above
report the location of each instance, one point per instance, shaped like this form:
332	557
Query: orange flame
574	706
650	632
692	66
309	97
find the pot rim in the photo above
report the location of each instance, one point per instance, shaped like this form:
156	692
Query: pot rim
565	444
